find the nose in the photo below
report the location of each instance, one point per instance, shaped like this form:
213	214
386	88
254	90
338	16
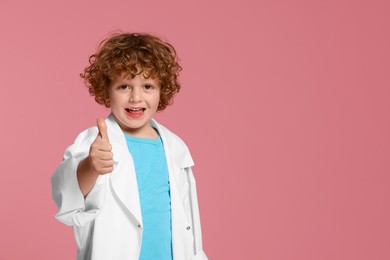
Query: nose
135	95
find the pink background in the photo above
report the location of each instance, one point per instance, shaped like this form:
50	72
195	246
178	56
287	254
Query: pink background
285	107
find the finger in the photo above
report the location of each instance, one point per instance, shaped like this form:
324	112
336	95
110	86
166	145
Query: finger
106	163
102	165
102	171
105	155
99	146
102	127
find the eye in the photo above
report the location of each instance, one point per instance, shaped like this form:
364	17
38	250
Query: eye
148	87
123	87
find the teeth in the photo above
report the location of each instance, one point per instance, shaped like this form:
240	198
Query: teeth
134	109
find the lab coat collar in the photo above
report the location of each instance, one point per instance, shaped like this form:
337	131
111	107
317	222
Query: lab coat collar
124	181
172	144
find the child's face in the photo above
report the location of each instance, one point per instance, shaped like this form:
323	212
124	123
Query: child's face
133	103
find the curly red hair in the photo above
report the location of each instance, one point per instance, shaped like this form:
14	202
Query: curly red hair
130	54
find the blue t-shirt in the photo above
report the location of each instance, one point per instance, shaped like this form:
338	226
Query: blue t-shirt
153	186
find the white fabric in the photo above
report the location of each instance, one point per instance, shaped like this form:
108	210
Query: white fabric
107	224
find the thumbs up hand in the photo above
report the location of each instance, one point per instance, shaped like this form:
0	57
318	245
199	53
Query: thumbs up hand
100	154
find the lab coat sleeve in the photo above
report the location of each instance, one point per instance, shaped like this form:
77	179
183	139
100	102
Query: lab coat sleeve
197	230
73	208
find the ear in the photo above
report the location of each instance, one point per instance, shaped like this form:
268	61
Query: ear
107	103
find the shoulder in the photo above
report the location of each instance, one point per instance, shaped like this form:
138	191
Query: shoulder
82	142
174	145
87	135
170	137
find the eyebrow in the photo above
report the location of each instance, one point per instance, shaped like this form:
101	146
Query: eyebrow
150	81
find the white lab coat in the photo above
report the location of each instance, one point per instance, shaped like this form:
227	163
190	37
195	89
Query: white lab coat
107	224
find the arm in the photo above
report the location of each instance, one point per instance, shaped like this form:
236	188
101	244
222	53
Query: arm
99	161
86	178
75	178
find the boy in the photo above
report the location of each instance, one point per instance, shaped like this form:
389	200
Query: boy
126	186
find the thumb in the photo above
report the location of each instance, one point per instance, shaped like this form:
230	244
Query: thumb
102	127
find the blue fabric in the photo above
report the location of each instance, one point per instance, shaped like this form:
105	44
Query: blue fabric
153	186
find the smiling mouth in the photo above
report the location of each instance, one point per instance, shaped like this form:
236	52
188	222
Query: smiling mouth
135	112
138	109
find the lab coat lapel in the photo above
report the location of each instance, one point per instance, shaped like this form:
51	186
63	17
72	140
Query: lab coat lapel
123	178
176	160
